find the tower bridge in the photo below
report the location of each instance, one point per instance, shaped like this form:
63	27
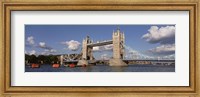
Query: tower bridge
118	40
86	56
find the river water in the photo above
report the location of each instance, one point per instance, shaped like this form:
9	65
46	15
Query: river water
103	68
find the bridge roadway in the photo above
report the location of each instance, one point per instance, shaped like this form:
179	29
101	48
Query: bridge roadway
153	62
107	42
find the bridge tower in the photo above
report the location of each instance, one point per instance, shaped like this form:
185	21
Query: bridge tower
86	52
118	39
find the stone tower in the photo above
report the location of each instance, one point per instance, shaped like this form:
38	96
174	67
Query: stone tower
84	48
86	52
118	39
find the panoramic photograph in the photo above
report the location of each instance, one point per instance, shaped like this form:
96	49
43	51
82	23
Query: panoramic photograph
100	48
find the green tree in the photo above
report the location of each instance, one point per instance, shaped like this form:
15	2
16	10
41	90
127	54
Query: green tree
27	58
41	59
33	59
53	58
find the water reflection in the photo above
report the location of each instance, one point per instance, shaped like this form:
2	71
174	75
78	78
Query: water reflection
117	69
103	68
87	69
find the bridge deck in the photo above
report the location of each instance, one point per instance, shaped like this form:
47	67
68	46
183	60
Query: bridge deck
101	43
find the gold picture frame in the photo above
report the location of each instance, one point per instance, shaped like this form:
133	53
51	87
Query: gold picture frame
119	5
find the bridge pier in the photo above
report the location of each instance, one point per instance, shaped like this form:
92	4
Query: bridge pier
82	62
117	62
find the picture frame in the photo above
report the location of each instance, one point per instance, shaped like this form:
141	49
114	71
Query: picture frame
100	5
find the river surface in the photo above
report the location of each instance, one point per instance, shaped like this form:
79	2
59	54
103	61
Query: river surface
103	68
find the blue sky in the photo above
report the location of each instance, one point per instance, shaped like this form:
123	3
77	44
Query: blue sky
146	40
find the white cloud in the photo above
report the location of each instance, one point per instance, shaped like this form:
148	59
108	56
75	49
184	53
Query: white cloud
108	47
97	48
33	52
72	45
47	52
51	50
42	44
163	49
31	40
103	48
163	35
131	53
169	57
44	53
25	52
105	57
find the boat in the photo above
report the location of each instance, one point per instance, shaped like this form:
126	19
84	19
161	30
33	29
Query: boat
55	65
35	65
71	65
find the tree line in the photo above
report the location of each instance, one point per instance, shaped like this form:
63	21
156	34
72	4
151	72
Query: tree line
41	59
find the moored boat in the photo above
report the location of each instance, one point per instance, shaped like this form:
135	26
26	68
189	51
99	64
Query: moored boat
55	65
35	65
71	65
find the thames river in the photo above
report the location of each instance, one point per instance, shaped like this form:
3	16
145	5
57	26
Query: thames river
103	68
